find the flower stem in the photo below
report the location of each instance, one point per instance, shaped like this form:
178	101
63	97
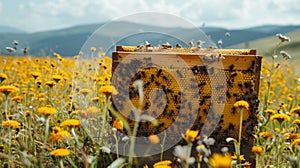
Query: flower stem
46	130
240	136
163	145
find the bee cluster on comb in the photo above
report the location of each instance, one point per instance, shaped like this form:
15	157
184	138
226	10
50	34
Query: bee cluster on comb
192	88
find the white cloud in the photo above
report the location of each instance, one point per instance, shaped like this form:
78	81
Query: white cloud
34	15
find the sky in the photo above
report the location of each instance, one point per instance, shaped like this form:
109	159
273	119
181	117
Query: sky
41	15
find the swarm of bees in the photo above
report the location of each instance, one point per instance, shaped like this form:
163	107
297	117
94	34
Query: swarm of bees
15	48
167	101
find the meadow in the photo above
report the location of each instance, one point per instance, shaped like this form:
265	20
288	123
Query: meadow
49	103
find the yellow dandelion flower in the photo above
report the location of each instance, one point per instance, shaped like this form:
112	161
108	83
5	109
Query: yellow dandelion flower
59	135
247	165
8	89
163	164
295	111
35	74
57	78
10	123
234	157
60	152
38	82
46	110
96	99
17	99
153	139
297	122
85	92
220	161
266	134
270	111
50	83
2	77
292	136
241	104
118	124
280	117
258	150
93	49
296	142
108	90
191	135
71	123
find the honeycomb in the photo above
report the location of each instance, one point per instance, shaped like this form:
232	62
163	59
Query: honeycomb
185	88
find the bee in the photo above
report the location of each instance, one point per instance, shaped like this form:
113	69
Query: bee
228	95
203	69
143	74
146	85
221	119
160	125
195	69
166	45
181	94
152	77
179	73
252	67
248	84
171	113
157	83
233	110
201	84
159	73
205	111
201	102
166	78
146	124
138	76
191	44
178	45
231	126
233	74
240	85
147	105
207	97
231	68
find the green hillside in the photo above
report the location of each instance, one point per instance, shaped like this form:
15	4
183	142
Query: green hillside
265	46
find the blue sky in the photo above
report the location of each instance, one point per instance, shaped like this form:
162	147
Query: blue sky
39	15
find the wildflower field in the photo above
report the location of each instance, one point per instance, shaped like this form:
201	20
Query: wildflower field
48	103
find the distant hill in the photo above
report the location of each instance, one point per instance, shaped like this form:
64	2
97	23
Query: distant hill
8	29
69	41
265	46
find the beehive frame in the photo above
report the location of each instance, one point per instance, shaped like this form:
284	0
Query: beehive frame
209	101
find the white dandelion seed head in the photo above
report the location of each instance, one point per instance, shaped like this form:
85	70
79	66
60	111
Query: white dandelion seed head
283	38
40	120
15	42
285	55
16	116
227	34
10	49
220	42
229	139
125	138
105	149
